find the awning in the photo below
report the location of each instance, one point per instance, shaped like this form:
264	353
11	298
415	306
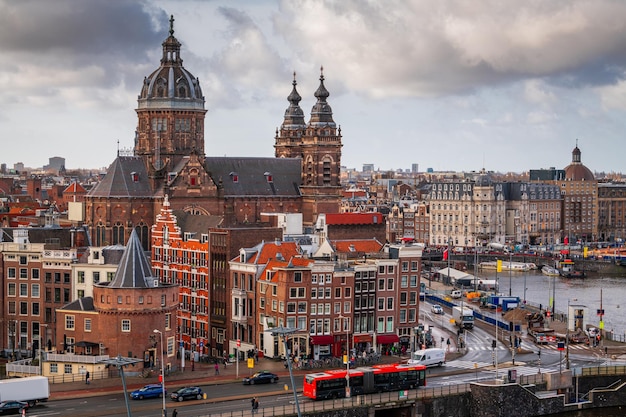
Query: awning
363	338
322	340
86	344
385	339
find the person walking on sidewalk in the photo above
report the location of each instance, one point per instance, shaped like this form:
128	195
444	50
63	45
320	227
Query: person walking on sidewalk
175	413
255	404
87	378
217	368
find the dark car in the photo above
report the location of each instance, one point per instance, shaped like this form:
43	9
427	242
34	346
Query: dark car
262	377
12	407
149	391
187	393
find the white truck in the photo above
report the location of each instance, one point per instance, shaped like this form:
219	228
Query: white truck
30	390
428	357
498	247
463	317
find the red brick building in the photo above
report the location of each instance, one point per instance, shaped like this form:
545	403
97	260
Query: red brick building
169	159
121	317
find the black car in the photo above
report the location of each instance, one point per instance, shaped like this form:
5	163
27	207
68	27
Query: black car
187	393
262	377
12	407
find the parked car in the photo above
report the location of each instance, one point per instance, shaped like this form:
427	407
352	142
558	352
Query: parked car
437	309
262	377
187	393
12	407
148	391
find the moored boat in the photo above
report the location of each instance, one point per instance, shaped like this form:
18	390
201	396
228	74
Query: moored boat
549	271
567	269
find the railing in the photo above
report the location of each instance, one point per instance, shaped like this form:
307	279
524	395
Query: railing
371	400
63	357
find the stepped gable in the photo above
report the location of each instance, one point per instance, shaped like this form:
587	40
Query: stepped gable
241	176
134	270
126	177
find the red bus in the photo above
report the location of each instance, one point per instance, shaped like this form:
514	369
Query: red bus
364	380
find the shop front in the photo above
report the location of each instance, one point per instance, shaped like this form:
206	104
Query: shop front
387	343
321	346
363	343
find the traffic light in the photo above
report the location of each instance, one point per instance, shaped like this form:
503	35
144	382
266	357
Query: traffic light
539	353
493	344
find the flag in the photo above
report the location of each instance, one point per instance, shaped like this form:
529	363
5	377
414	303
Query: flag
445	255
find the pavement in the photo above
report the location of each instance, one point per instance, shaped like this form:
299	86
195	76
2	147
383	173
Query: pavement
204	373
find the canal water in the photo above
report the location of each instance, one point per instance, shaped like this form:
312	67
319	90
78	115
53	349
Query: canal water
593	291
598	412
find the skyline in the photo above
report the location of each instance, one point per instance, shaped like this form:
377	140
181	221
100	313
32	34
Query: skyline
504	86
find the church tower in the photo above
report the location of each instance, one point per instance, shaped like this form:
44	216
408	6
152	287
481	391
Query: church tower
318	145
170	114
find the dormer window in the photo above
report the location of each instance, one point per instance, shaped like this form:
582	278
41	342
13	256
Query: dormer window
268	177
134	177
234	176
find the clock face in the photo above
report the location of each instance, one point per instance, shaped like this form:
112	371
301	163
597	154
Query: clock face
100	211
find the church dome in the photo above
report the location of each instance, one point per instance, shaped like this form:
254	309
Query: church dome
171	81
576	171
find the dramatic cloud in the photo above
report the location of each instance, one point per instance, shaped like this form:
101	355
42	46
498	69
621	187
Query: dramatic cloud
486	78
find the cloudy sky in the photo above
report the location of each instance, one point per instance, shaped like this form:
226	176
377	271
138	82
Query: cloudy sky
449	85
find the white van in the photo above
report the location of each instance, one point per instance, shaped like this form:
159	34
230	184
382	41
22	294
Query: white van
456	294
428	357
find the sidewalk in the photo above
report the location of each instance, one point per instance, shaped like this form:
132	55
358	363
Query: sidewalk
203	374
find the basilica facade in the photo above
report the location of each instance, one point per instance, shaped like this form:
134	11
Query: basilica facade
169	159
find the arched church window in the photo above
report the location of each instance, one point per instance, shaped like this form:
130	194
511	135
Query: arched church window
118	234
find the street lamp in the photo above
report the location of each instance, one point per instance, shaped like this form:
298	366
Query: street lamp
164	412
567	364
284	332
41	339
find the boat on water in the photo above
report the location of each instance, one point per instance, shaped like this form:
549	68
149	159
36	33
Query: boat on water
550	271
508	266
567	269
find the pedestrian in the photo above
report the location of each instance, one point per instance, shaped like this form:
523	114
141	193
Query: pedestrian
255	406
87	378
175	413
448	343
217	368
253	401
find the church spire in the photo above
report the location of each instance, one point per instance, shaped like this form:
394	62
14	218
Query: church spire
322	114
294	116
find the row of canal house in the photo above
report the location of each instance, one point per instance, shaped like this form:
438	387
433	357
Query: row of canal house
372	301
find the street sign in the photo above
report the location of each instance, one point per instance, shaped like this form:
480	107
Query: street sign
238	342
560	346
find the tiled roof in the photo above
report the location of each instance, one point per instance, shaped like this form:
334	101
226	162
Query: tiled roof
134	270
357	245
256	176
74	188
126	177
81	304
353	218
196	223
282	251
